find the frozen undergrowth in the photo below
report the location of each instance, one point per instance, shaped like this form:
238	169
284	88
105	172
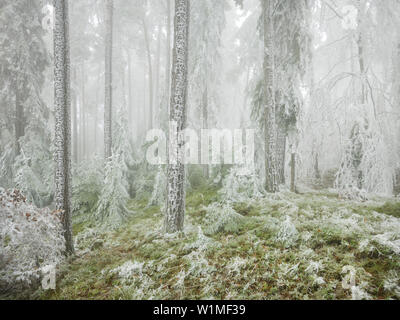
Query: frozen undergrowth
222	218
31	240
289	247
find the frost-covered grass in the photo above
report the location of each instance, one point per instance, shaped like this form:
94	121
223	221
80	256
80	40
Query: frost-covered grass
284	246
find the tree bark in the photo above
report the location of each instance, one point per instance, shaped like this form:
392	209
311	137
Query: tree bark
168	64
175	209
206	167
130	94
281	147
83	112
19	121
150	65
157	76
293	173
108	80
271	184
75	119
62	118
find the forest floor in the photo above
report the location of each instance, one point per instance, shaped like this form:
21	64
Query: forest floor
285	246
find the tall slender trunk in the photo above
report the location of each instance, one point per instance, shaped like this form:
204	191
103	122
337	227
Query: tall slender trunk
75	118
108	79
168	46
83	112
19	121
150	65
206	167
360	48
130	94
317	172
293	173
96	107
242	118
157	76
62	118
123	87
280	147
175	209
271	184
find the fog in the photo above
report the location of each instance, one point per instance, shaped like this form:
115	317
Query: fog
292	106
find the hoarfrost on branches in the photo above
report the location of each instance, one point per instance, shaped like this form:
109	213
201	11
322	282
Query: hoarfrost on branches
30	238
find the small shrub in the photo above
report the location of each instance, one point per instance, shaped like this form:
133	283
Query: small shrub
222	218
30	239
87	185
287	234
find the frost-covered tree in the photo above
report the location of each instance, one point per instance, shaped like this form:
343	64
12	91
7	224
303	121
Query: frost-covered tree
23	60
112	201
62	118
175	209
112	208
291	46
31	239
292	55
269	78
207	22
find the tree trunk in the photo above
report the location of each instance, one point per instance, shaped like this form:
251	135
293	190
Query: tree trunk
130	94
281	148
157	76
62	118
168	64
150	65
19	121
206	167
175	209
108	80
271	184
83	112
96	106
293	173
75	119
316	167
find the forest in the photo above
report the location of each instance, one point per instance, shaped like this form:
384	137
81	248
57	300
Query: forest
200	149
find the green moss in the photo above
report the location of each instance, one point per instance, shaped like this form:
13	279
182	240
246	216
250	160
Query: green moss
202	197
390	208
264	277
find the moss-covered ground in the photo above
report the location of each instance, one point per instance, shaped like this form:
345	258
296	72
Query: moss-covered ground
286	246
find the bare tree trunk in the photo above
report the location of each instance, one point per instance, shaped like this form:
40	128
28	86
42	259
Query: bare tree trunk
206	167
19	121
175	209
108	80
98	90
150	65
168	65
123	87
293	173
62	118
130	94
280	147
157	76
83	112
316	167
75	119
271	184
